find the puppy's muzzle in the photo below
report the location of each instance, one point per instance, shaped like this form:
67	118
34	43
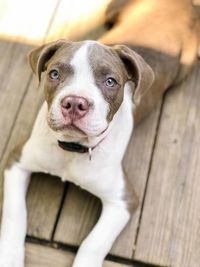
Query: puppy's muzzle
74	107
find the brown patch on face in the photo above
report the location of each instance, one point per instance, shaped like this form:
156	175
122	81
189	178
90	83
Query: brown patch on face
54	56
53	86
61	63
105	63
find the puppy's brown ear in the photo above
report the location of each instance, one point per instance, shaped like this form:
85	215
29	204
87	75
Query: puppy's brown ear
38	57
138	70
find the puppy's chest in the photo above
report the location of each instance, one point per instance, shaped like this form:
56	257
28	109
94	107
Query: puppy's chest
69	166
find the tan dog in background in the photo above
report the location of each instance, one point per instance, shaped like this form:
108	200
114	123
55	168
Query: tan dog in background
83	128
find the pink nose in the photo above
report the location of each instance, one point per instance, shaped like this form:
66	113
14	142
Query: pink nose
74	107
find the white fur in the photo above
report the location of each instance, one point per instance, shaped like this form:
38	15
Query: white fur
102	176
13	227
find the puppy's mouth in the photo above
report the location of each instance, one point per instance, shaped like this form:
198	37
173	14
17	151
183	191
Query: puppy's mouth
70	128
74	129
85	127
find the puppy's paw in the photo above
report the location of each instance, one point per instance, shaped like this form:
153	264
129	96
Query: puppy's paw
11	261
11	257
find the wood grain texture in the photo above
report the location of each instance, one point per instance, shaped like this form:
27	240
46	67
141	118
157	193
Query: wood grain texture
44	200
22	125
15	75
81	210
40	256
169	234
79	214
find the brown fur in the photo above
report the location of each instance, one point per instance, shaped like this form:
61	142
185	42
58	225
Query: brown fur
108	59
15	154
52	87
55	55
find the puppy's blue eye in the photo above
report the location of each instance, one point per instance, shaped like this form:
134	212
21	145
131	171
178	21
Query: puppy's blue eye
110	82
54	75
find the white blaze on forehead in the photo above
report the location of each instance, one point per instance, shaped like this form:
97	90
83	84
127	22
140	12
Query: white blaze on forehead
83	73
83	82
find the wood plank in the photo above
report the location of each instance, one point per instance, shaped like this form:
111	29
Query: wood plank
23	124
27	21
79	214
15	75
24	119
44	200
40	256
170	228
81	209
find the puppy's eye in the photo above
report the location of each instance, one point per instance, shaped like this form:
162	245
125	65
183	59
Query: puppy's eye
54	75
110	82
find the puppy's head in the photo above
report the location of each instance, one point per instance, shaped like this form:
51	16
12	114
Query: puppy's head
84	83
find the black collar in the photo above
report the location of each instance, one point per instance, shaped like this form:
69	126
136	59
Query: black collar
78	148
73	147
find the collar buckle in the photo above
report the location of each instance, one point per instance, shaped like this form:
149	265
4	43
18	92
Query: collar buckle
90	153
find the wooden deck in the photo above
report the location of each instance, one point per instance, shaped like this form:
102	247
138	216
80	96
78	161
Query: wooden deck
163	158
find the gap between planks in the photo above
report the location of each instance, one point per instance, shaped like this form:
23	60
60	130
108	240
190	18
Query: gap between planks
40	256
43	244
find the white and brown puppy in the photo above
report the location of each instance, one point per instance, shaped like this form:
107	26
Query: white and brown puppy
90	90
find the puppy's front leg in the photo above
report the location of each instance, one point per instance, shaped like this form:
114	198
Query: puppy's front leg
95	247
13	227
